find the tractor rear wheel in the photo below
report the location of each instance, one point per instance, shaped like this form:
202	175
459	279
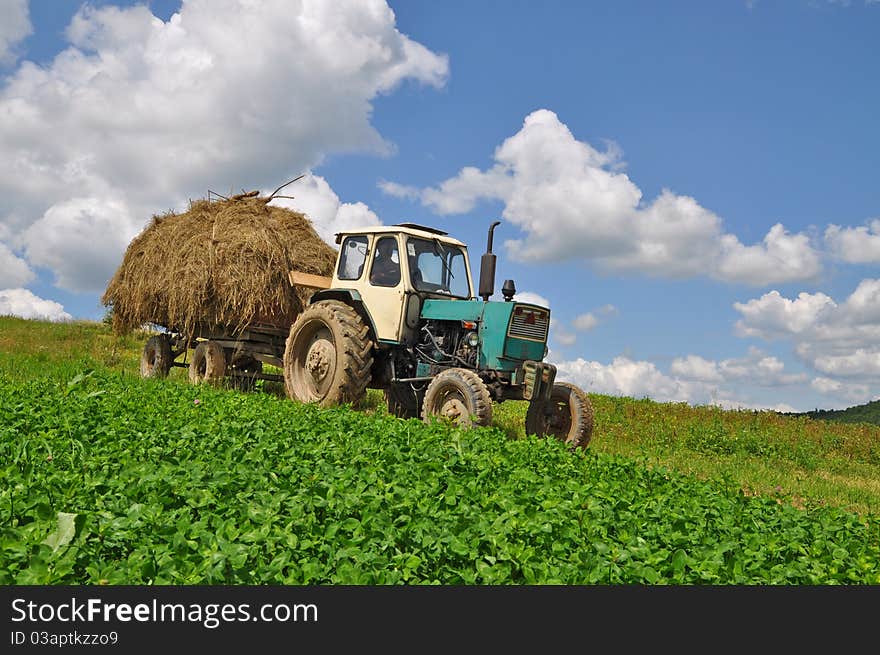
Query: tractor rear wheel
460	395
567	416
403	401
328	355
208	363
156	358
244	372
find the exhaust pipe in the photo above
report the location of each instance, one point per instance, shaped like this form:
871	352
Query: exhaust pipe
487	268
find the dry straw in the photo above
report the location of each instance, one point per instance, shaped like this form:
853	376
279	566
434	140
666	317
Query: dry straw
221	265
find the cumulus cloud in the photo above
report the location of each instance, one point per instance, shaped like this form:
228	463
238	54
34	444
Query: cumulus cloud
692	378
14	27
531	297
589	320
573	202
24	304
147	114
14	271
694	367
757	368
80	241
848	391
626	377
585	322
313	197
836	339
856	245
773	316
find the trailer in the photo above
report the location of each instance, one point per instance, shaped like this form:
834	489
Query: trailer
224	353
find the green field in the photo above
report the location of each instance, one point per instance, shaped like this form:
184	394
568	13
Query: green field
110	479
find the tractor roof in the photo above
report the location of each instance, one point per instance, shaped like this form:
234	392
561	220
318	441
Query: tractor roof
402	228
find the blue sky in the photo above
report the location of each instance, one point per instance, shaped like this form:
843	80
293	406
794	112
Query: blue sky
640	153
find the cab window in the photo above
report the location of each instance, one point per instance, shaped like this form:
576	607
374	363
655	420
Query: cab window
352	258
436	267
385	269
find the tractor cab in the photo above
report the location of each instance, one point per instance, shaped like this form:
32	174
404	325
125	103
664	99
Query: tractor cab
393	269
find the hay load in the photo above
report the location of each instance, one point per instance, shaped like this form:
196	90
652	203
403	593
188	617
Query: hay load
221	265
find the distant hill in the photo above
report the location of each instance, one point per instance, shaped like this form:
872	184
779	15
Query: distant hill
867	413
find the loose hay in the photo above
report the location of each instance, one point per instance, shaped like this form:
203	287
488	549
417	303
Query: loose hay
222	265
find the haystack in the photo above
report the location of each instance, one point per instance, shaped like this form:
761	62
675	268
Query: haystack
221	265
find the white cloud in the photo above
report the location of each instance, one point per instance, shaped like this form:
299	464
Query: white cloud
694	367
573	203
692	379
850	392
530	297
772	315
225	95
838	340
782	257
856	245
585	322
589	320
313	196
80	241
757	368
14	27
23	303
14	271
625	377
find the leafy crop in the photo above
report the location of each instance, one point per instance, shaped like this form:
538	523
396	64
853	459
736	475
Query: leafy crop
109	479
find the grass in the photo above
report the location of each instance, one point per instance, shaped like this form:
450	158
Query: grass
792	459
110	479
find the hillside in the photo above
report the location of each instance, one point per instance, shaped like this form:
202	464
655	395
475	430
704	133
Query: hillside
114	479
867	413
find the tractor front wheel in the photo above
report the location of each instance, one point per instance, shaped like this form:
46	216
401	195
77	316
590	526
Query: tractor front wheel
459	395
328	355
567	416
208	363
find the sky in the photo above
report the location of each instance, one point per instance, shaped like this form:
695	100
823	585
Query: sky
691	187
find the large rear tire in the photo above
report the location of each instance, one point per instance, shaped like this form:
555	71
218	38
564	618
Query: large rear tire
567	416
328	356
156	357
459	395
403	401
208	363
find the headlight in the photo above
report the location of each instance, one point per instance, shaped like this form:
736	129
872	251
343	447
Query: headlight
546	349
472	339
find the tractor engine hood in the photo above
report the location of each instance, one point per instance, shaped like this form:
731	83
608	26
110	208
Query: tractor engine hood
510	332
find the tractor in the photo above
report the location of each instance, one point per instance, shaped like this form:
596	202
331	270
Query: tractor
400	314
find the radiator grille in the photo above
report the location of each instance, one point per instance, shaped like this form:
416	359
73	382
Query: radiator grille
529	323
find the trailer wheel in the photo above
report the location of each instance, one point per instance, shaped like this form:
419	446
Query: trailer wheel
403	401
208	363
567	416
244	372
156	357
328	355
460	395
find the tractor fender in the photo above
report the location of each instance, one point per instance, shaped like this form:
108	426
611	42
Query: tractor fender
350	297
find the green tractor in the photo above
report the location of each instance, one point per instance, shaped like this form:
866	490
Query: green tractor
400	314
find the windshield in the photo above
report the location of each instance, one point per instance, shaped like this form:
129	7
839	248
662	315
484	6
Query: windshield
438	267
